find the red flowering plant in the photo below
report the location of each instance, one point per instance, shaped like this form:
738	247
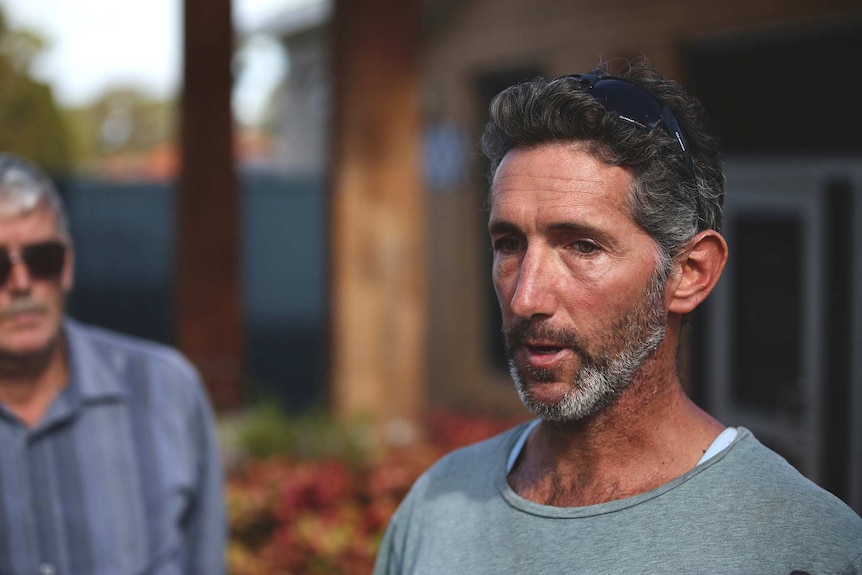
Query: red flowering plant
314	497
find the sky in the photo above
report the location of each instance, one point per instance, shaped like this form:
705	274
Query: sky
95	44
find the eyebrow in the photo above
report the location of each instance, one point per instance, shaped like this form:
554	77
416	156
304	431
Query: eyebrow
498	228
504	227
582	229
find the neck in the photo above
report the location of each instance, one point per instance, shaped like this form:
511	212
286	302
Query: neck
29	383
652	434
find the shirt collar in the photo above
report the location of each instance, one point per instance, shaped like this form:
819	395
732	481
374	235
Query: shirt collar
90	375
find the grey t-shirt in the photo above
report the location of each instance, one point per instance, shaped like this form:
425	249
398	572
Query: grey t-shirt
744	511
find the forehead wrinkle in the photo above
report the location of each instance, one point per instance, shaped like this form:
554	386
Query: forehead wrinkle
558	178
573	197
533	182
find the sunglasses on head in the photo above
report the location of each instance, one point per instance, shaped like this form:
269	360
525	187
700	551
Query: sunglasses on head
43	260
634	105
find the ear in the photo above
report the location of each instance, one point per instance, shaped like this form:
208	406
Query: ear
698	270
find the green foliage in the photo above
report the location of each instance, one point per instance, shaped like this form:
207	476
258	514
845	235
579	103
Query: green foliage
306	510
268	430
31	124
122	120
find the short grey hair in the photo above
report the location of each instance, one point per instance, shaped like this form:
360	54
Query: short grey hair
24	188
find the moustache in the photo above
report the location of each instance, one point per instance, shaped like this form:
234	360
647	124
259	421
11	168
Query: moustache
22	306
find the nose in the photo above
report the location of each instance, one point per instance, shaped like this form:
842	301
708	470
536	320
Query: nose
535	293
19	276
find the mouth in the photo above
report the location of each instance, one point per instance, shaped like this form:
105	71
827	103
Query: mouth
544	355
542	348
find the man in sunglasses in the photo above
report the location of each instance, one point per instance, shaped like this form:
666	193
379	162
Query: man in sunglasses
108	455
605	219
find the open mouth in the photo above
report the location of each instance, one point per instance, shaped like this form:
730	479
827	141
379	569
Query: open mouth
543	349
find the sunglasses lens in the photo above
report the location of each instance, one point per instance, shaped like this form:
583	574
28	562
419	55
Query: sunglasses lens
5	266
633	104
43	260
630	102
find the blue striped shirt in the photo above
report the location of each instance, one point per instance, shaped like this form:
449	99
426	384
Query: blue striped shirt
122	476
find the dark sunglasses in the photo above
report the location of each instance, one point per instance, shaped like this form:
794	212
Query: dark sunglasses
633	104
44	260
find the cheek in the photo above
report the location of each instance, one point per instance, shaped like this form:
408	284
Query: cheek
614	297
597	302
504	274
51	293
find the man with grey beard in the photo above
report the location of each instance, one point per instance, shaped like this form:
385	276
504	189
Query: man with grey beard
605	221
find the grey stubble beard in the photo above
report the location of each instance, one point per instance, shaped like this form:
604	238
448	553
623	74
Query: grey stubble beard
601	378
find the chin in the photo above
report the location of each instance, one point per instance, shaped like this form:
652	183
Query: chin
549	394
29	341
557	411
550	401
587	394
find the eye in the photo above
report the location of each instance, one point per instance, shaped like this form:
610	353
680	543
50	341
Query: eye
507	245
585	247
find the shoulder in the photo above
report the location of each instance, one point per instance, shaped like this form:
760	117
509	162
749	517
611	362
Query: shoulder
111	344
767	485
468	469
767	471
758	501
140	366
451	487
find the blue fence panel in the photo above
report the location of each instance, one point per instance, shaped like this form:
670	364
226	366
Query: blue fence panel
283	261
124	235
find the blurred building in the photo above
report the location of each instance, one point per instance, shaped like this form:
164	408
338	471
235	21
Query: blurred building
778	347
301	114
